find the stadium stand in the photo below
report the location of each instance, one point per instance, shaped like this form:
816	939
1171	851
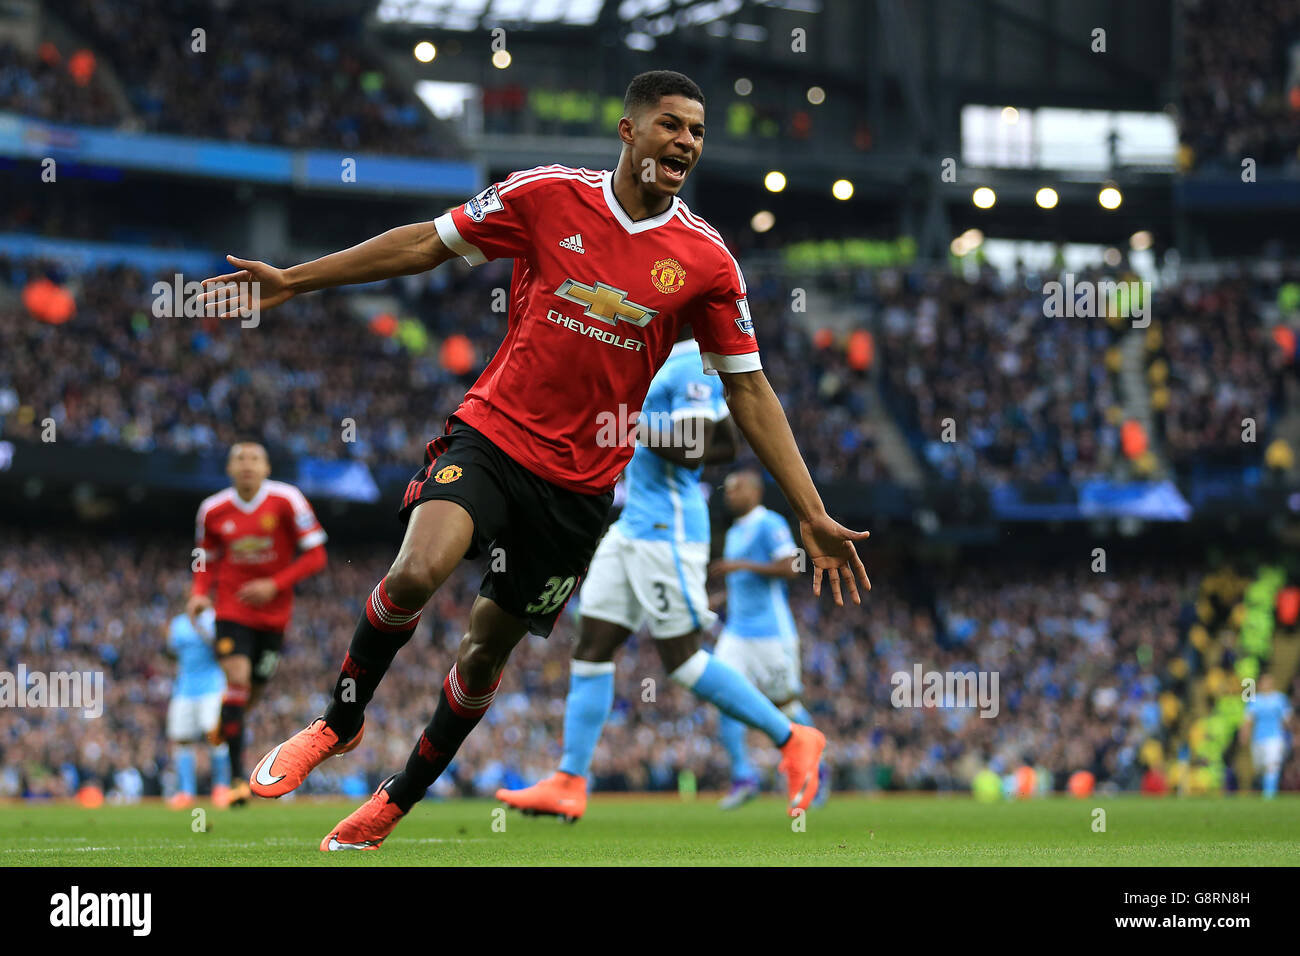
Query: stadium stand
1086	665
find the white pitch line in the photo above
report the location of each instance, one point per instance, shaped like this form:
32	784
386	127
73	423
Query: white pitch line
214	845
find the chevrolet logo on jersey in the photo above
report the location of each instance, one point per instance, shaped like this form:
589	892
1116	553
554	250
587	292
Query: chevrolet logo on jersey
606	303
252	549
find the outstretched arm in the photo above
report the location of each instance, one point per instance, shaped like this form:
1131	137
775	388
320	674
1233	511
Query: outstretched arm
762	421
403	251
787	567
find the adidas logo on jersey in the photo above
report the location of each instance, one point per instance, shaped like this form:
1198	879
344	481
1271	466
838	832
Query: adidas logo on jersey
574	243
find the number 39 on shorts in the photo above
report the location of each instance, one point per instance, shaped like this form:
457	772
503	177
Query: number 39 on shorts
553	595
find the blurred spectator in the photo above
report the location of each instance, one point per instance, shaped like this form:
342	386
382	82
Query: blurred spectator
115	374
44	85
1238	99
1223	368
1080	661
253	75
989	388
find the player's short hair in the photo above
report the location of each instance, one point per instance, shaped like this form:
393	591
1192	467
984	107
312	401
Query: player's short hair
249	441
646	89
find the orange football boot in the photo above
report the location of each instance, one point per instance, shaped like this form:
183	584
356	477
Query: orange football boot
367	826
238	794
559	795
180	801
288	764
221	795
800	757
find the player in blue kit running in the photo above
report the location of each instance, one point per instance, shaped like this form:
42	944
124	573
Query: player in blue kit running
1265	728
651	567
759	639
195	706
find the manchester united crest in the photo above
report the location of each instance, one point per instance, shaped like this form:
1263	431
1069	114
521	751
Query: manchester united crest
447	475
668	276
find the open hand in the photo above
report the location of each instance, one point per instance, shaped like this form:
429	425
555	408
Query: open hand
256	593
830	547
196	605
234	294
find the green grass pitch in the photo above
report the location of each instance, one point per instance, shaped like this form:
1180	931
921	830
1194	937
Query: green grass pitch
665	831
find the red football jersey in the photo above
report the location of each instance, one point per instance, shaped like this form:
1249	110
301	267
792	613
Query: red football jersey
596	301
245	540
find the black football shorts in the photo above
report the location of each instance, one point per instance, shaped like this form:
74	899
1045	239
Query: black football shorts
262	648
538	537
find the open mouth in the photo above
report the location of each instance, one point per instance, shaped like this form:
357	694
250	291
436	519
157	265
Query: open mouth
674	168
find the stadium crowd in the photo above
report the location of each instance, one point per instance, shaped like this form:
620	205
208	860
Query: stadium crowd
1030	398
1240	83
46	85
1081	659
1223	369
1039	399
237	71
1027	394
197	384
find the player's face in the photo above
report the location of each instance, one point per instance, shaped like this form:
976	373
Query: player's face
667	140
248	466
739	494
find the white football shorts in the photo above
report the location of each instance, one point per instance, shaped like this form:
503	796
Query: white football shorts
190	718
1267	754
769	663
660	583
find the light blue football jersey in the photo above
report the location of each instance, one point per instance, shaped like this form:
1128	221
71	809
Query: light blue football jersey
759	606
665	501
197	672
1267	712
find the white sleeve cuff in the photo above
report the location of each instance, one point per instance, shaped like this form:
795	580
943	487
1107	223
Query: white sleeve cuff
696	411
451	238
715	363
309	541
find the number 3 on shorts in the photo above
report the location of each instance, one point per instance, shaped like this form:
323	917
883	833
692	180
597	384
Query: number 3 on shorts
556	592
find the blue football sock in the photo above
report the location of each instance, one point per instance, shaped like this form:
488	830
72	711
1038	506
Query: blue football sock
185	768
1270	783
732	732
221	766
726	688
591	697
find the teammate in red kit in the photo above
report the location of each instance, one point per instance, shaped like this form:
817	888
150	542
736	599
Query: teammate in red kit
608	265
257	538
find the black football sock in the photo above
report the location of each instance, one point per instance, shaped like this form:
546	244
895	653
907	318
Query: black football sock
382	631
459	711
234	703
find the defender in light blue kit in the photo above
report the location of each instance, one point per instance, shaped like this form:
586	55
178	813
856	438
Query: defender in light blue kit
759	639
1265	728
195	706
